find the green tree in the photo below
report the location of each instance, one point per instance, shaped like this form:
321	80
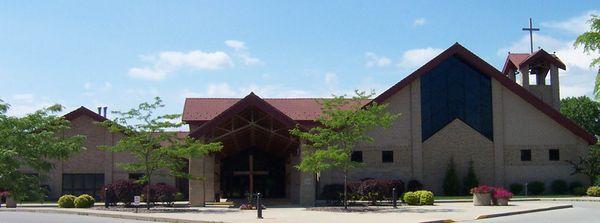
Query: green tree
145	136
451	182
343	124
584	111
590	41
32	143
470	180
589	164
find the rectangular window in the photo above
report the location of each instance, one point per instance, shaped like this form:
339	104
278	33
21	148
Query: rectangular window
554	154
77	184
387	156
356	156
526	155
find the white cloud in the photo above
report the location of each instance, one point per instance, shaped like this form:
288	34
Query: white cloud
419	22
374	60
331	79
575	25
22	104
224	90
235	44
87	85
417	57
168	62
249	60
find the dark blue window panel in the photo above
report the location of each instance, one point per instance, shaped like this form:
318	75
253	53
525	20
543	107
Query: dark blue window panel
453	90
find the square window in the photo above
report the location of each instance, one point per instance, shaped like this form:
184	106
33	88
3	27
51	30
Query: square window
387	156
554	154
356	156
526	155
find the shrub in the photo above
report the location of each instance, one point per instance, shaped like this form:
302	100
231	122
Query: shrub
559	187
451	182
579	191
414	185
161	192
470	180
84	201
412	198
333	193
597	182
371	190
516	188
122	191
179	196
389	185
593	191
573	185
536	187
425	197
66	201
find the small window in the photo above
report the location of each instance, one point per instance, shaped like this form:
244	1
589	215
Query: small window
526	155
554	154
356	156
387	156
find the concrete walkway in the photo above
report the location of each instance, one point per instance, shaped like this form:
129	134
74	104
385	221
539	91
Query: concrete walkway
442	211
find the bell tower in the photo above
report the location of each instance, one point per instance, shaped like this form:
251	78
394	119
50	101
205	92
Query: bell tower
531	71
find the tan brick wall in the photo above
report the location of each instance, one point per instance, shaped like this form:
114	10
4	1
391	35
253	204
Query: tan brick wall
462	143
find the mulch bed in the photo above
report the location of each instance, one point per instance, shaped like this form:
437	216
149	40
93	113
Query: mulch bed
160	209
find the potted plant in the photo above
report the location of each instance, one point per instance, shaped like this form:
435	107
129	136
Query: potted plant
482	195
502	196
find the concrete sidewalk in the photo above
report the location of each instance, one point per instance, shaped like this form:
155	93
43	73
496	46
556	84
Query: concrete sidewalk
441	211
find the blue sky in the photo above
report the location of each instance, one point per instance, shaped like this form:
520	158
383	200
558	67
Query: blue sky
121	53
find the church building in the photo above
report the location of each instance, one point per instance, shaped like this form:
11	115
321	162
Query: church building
455	106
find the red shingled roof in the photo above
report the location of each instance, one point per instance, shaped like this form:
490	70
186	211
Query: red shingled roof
298	109
518	60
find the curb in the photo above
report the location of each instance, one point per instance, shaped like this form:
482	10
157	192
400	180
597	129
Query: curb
109	215
523	212
439	221
471	200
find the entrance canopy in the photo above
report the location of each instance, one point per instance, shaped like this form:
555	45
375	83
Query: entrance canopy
250	123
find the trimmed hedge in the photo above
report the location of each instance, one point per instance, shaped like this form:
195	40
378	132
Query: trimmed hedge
66	201
421	197
593	191
536	187
575	184
559	187
369	190
84	201
516	188
579	191
161	192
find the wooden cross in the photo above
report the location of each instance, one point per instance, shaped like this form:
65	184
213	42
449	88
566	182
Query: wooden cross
531	29
250	173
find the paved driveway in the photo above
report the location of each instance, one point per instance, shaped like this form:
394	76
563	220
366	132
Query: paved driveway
28	217
580	213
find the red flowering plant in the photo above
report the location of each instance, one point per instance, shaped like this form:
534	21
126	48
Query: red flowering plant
483	189
501	193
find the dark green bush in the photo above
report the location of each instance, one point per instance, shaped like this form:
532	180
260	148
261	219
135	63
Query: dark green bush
573	185
559	187
414	185
412	198
66	201
593	191
536	188
516	188
84	201
579	191
179	196
597	182
333	193
470	180
451	182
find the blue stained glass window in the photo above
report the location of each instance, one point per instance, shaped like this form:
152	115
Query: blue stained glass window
453	90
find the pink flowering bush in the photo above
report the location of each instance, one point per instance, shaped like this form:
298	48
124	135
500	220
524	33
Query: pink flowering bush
483	189
501	193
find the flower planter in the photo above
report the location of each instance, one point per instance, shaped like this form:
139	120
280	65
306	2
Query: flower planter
482	199
502	201
10	203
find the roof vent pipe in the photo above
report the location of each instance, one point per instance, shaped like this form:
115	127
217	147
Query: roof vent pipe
105	108
99	110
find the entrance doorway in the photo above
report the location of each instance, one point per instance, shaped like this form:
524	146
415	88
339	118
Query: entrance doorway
253	171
